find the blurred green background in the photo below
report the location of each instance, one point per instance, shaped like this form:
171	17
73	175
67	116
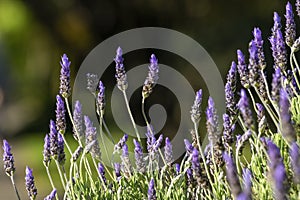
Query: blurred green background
34	34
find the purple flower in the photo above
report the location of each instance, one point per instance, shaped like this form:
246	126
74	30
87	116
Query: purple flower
92	82
29	183
196	110
91	136
78	122
247	179
46	151
117	168
150	138
120	71
8	159
242	69
139	159
253	64
290	28
287	131
177	168
276	85
152	77
261	118
101	99
195	161
77	153
228	129
278	50
65	88
212	122
61	152
53	139
298	7
126	165
121	143
189	175
51	195
259	45
232	175
101	171
151	190
230	88
244	107
157	143
277	172
295	159
188	147
168	151
60	115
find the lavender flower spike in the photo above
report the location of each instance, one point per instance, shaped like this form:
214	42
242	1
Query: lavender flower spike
152	77
29	183
8	159
117	168
298	7
277	172
168	151
253	64
120	71
101	171
232	175
230	88
51	195
92	82
61	158
78	122
126	165
121	143
139	159
101	99
276	85
53	139
151	190
243	105
212	122
65	88
295	159
188	147
287	131
46	151
290	28
60	115
91	136
196	110
247	193
259	45
242	69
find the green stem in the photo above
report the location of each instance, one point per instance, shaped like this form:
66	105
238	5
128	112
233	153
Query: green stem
131	117
15	187
60	174
51	181
101	135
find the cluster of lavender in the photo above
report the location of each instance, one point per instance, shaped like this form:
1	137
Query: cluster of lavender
265	119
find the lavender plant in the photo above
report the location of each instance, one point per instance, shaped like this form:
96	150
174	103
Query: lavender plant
254	156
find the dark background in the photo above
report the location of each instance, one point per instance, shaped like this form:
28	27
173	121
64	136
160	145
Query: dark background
34	34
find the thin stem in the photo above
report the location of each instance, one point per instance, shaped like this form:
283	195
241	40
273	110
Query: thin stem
101	134
298	69
51	181
15	187
131	117
108	132
60	174
67	145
